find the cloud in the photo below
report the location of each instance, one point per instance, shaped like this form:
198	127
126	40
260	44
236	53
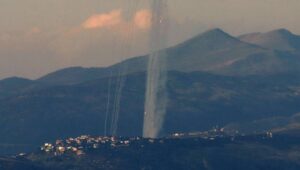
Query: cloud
114	19
33	32
106	20
142	19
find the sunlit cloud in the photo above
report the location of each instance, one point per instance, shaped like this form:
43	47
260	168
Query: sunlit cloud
142	19
110	19
33	31
115	19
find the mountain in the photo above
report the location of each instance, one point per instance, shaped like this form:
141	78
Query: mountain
213	51
15	85
280	39
208	51
214	80
217	52
72	75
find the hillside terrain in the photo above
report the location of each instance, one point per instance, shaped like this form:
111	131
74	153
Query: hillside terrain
197	101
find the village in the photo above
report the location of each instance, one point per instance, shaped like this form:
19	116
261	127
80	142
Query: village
79	145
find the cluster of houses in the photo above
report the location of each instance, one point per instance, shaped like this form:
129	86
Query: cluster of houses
217	132
80	144
210	134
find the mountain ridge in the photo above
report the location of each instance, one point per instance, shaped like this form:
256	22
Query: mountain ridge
279	39
212	51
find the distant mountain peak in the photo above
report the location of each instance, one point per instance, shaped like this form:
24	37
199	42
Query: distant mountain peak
216	32
72	75
282	31
279	39
212	39
10	79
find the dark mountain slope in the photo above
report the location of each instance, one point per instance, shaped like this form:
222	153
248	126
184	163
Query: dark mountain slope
7	163
73	75
197	101
15	85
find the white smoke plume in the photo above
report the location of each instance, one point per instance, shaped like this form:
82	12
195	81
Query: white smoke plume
156	95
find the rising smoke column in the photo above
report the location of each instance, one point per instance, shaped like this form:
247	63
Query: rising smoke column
156	95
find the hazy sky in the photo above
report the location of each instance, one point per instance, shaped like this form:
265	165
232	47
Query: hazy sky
40	36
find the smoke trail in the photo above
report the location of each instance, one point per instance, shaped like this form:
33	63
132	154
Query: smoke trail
156	96
107	104
121	79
